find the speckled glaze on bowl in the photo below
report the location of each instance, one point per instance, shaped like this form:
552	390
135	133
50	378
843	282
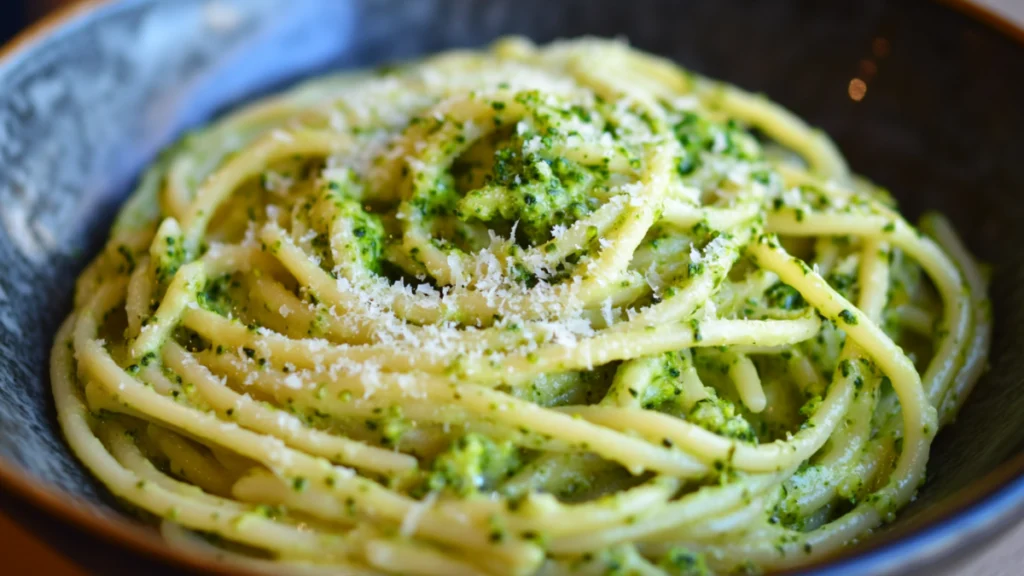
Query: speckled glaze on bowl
87	99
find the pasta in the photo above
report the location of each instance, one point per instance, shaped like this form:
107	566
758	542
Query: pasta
560	309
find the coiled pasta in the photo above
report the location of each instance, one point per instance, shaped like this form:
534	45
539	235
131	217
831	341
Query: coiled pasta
562	309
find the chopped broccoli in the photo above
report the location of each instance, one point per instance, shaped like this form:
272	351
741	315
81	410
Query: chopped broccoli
537	192
682	562
471	463
721	416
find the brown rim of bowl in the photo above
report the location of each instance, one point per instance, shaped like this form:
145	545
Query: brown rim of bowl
120	530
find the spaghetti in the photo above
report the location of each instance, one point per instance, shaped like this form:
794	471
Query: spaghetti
562	309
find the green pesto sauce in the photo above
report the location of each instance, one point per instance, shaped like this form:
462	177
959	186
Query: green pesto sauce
471	463
682	562
697	134
537	192
722	417
367	228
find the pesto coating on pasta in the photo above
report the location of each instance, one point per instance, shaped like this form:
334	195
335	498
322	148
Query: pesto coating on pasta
566	309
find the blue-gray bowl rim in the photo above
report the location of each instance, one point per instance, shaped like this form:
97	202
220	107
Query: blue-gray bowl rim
973	517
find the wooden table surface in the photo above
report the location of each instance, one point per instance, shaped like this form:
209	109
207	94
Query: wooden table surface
25	548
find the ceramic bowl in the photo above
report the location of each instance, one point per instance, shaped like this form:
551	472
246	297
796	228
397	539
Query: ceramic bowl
90	96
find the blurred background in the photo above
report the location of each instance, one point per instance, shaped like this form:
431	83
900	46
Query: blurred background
23	553
17	14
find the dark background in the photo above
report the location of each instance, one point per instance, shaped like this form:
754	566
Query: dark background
21	553
12	18
17	14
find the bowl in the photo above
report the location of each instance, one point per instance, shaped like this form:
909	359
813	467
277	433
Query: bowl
923	97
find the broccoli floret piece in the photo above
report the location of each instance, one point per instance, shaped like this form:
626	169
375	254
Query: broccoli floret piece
472	463
721	416
537	192
665	391
682	562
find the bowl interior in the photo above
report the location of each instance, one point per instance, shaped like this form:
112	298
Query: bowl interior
86	106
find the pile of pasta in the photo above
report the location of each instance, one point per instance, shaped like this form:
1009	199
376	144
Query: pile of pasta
560	309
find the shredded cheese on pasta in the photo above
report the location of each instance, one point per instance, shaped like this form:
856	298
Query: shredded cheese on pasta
560	309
